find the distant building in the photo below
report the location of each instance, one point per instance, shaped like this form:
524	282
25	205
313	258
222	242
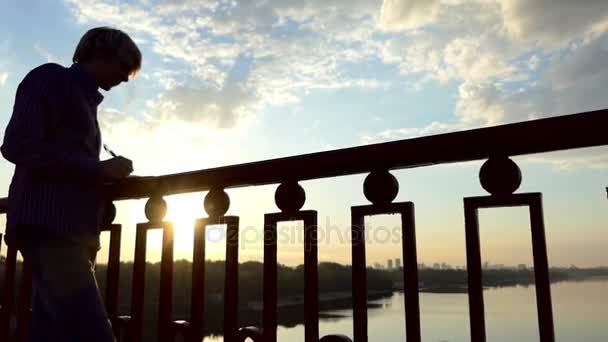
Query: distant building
378	266
398	263
421	266
389	264
437	266
522	267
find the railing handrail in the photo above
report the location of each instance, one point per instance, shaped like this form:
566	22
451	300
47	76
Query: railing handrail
572	131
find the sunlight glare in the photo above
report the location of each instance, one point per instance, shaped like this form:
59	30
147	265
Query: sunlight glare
183	210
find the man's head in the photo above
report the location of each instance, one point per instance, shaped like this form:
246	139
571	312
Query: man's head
109	54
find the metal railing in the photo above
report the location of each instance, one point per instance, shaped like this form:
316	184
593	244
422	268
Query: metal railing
499	175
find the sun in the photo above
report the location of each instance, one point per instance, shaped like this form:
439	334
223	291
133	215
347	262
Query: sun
182	211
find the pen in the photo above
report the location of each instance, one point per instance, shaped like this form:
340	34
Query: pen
105	147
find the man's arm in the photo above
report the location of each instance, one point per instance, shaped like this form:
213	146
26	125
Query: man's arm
26	141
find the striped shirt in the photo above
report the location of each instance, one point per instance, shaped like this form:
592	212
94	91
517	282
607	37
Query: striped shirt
53	139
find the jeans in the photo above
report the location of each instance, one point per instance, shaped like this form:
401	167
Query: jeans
66	303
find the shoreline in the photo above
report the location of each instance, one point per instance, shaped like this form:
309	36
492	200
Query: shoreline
343	299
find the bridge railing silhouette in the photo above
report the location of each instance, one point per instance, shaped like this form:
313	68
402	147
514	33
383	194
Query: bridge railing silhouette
499	175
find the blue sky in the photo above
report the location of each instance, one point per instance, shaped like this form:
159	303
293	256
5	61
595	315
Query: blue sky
226	82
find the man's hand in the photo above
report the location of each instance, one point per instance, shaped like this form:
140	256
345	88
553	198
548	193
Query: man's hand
116	168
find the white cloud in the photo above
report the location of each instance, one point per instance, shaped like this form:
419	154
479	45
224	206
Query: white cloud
452	57
213	107
493	64
412	132
533	62
48	55
210	38
473	59
593	158
416	56
464	42
152	145
573	83
3	77
221	109
480	104
583	66
510	60
551	22
396	15
180	7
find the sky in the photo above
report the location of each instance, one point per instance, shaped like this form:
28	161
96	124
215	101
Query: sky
228	82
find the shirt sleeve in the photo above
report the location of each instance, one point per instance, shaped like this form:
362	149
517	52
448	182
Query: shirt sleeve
26	142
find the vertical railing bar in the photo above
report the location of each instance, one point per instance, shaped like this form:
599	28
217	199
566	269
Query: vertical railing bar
410	274
171	333
113	275
23	307
231	282
270	278
197	306
1	303
8	289
166	283
541	271
359	283
138	285
311	283
311	287
475	286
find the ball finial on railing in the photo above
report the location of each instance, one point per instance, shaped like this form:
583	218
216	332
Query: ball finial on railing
217	202
499	175
290	196
251	333
156	208
109	213
335	338
380	187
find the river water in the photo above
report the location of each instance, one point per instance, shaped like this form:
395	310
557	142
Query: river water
580	314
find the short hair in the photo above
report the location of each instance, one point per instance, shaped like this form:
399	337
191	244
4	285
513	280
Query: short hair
108	42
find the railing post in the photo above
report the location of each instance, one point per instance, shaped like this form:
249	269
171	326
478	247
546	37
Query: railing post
381	188
197	304
542	282
501	177
290	198
359	283
1	301
113	271
270	279
474	276
24	304
8	289
217	203
155	211
165	300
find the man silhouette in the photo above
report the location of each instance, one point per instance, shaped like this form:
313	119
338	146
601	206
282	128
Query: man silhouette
55	198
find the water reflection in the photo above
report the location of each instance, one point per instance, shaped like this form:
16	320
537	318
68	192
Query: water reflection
580	314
